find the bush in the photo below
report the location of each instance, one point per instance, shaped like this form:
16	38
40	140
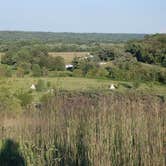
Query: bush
5	71
97	72
57	63
41	85
37	72
137	72
106	54
8	102
25	66
150	50
25	98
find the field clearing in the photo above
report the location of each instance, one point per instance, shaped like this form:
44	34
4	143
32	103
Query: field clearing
68	56
80	84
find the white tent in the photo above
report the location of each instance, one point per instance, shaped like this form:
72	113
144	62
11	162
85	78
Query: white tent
33	87
112	87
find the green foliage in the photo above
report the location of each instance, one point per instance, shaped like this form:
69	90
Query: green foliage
36	70
136	72
86	66
76	63
97	73
57	63
151	50
74	38
5	71
41	85
25	66
25	97
28	56
8	102
106	54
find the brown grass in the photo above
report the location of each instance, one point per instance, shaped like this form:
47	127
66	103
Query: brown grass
91	129
68	56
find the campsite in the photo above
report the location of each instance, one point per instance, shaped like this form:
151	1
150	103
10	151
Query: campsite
82	83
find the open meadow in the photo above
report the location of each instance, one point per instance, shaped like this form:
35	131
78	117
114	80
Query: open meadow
68	56
81	84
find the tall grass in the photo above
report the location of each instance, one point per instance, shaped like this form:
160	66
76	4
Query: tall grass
90	129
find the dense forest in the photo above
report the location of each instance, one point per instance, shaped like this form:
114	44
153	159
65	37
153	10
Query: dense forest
46	37
63	41
151	50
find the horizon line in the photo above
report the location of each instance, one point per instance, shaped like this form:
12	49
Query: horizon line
81	32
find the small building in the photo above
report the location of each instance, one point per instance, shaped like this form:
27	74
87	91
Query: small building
33	87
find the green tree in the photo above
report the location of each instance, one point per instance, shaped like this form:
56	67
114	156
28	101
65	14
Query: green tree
106	54
25	66
57	63
41	85
36	70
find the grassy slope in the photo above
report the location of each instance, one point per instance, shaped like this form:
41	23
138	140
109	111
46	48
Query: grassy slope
82	84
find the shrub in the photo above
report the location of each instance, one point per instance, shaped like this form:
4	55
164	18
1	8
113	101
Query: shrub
5	71
8	102
41	85
25	97
25	66
37	72
106	54
97	72
57	63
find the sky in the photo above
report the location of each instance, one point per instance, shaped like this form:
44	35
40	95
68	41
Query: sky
104	16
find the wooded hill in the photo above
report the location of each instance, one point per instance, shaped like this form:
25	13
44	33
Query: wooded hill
46	37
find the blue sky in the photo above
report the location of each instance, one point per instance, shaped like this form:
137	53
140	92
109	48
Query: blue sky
107	16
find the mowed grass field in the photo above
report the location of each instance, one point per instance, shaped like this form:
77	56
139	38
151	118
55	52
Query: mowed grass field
79	84
68	56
